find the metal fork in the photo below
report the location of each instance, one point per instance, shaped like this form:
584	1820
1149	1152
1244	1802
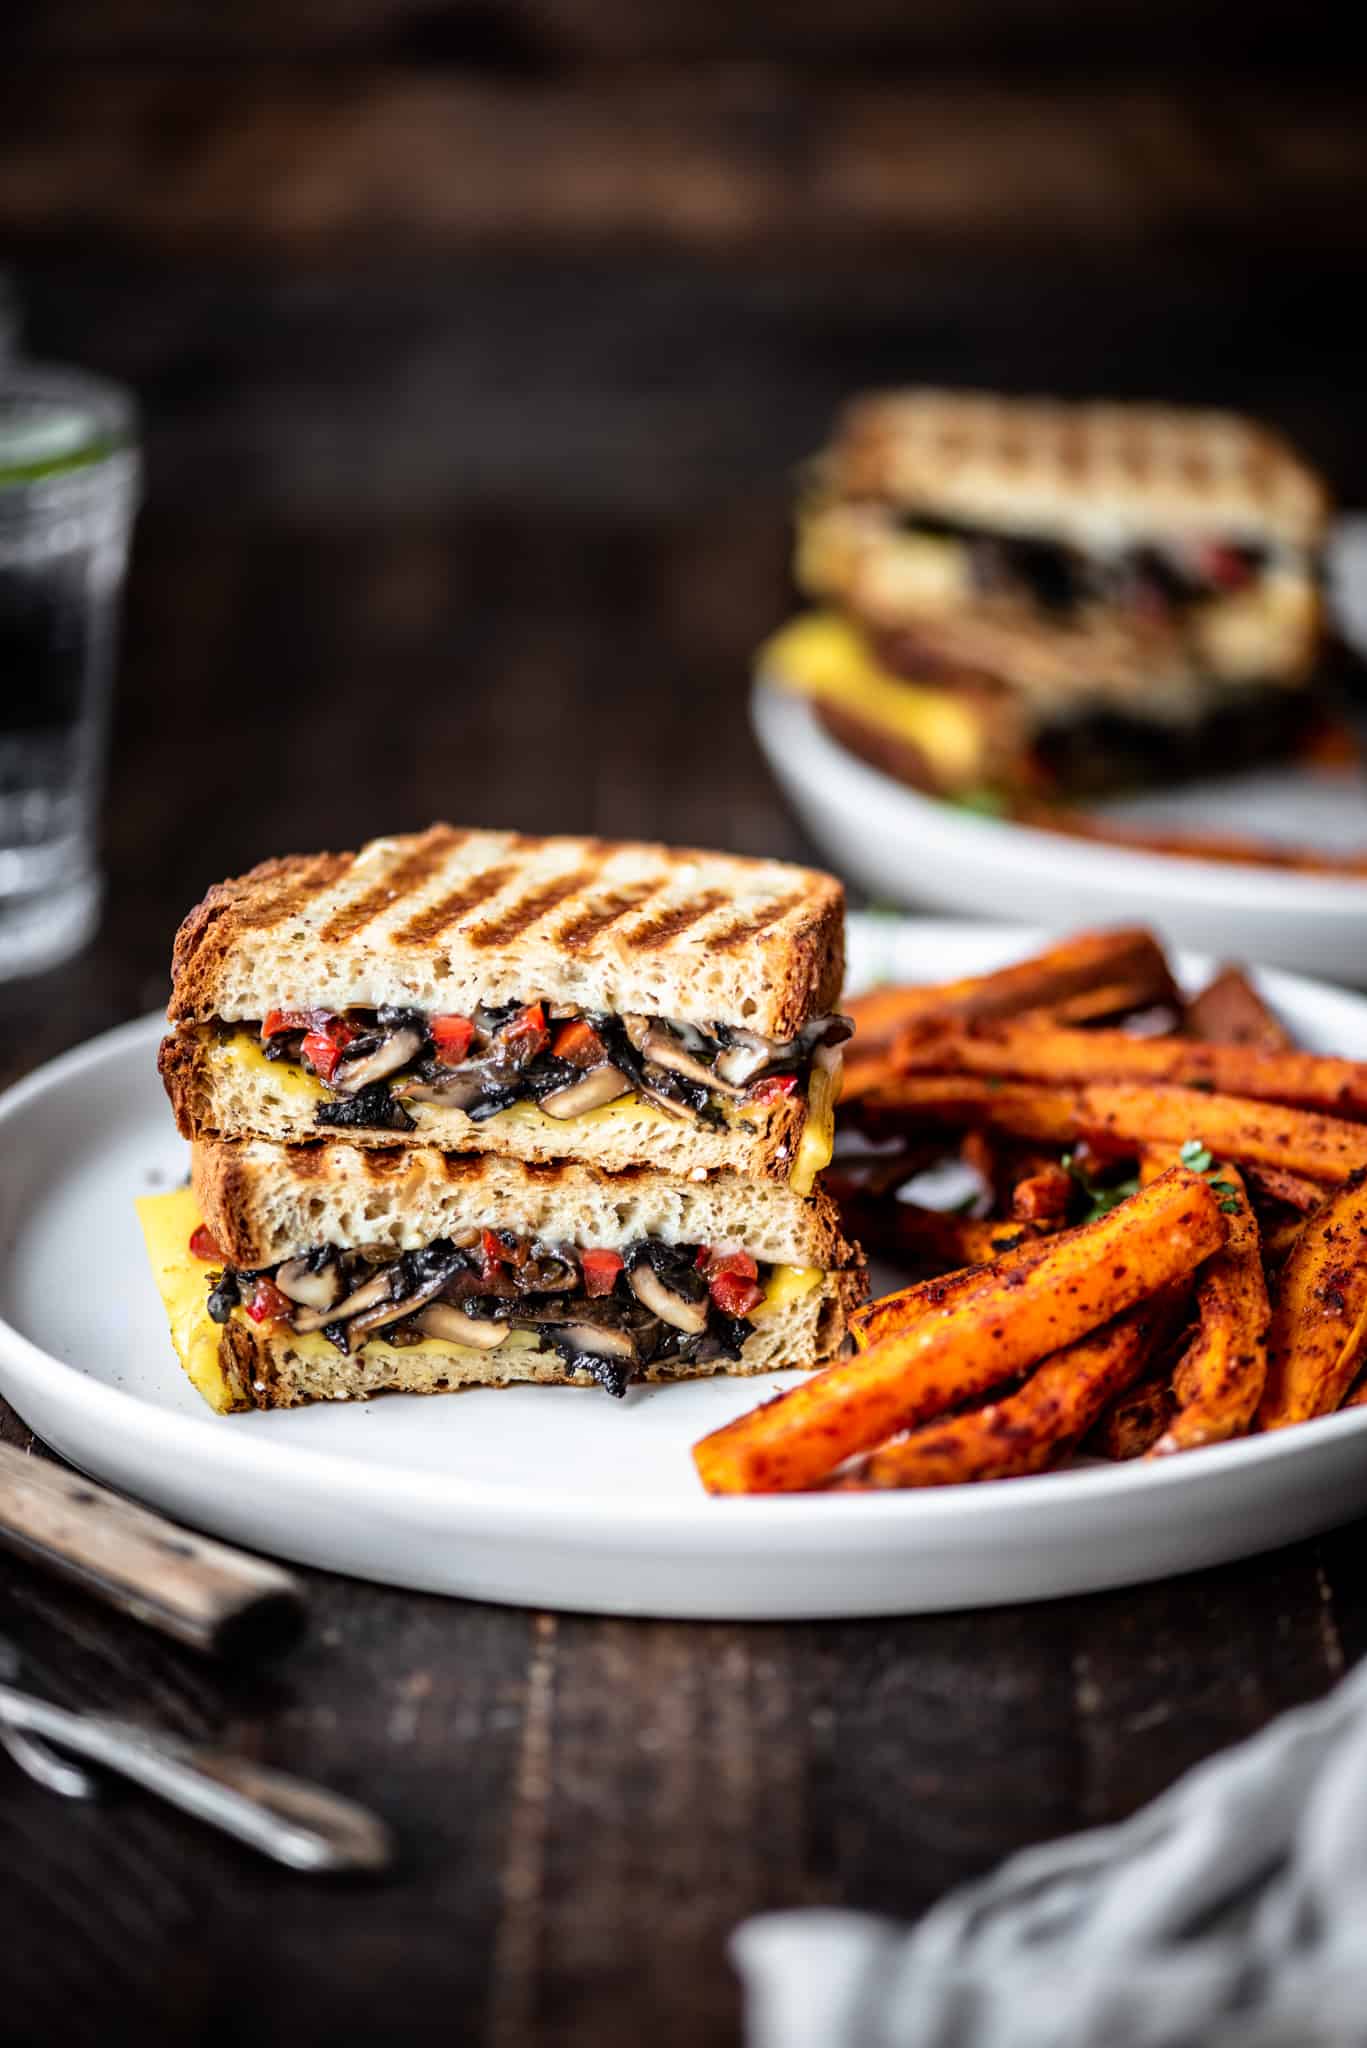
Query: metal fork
296	1823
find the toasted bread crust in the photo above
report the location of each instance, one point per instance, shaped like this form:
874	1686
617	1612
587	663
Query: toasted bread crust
444	918
265	1370
206	1106
264	1202
1081	468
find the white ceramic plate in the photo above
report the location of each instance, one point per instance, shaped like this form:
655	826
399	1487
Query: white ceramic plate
557	1496
910	849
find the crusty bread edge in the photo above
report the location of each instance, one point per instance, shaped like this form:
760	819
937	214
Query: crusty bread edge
808	983
225	1183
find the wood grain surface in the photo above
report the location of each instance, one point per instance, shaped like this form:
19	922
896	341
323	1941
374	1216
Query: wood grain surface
477	345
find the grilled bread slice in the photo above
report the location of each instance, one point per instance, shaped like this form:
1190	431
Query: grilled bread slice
1091	473
265	1202
446	925
445	920
1130	560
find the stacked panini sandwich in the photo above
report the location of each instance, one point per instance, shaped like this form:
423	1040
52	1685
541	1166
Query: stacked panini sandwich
472	1107
1033	597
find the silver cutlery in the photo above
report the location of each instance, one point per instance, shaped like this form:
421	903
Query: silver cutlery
286	1818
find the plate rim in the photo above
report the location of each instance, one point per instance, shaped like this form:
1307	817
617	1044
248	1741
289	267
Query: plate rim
707	1522
782	719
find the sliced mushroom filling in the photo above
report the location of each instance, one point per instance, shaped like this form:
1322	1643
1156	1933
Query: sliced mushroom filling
375	1064
606	1313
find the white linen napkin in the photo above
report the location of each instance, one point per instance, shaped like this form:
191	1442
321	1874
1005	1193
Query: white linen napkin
1230	1913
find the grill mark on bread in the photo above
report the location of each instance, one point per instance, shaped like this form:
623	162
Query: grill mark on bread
662	930
426	924
745	928
273	905
234	955
531	908
587	925
405	878
306	1162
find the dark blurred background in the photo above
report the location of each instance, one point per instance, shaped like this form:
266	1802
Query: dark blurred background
477	343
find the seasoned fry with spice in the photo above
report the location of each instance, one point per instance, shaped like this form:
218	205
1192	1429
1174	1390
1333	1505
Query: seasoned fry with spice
1319	1331
999	1328
1030	1429
1124	1115
1229	1011
1026	1051
1135	1420
927	1240
1218	1381
1129	963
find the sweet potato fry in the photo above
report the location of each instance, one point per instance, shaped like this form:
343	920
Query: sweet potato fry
926	1239
1356	1397
1099	1005
863	1071
1293	1190
1280	1240
893	1313
1229	1011
1135	1420
1091	960
1000	1327
1218	1380
1044	1195
1319	1330
1030	1429
1040	1051
1123	1114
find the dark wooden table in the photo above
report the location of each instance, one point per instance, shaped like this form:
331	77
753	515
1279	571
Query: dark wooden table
476	344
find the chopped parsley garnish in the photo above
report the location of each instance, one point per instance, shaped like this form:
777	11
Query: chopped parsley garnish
1101	1198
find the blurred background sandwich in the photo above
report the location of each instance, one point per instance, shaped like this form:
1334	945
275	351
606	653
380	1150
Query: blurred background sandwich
1054	599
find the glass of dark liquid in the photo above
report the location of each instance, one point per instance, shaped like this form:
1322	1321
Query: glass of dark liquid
68	491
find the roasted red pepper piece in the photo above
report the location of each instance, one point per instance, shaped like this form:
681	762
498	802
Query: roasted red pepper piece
773	1087
202	1245
579	1043
733	1282
285	1020
451	1036
733	1294
526	1033
268	1304
600	1270
322	1046
1227	568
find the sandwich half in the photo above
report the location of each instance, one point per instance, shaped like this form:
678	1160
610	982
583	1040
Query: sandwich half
1069	595
333	1272
532	998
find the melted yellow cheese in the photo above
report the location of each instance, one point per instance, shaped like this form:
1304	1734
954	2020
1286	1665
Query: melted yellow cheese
628	1109
182	1281
817	1143
183	1284
785	1284
823	657
243	1051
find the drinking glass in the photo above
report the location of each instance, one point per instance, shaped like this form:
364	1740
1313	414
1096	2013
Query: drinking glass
68	490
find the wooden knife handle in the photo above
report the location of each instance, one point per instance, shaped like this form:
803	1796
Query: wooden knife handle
188	1586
